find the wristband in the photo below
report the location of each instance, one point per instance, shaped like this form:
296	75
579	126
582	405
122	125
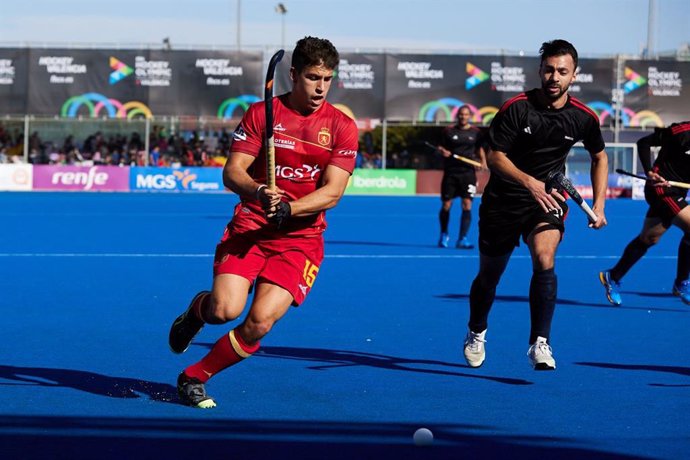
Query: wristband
262	186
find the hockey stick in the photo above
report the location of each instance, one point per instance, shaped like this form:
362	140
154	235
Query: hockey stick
268	106
670	182
457	157
558	181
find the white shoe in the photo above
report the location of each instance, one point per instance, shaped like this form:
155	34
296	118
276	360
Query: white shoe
474	348
540	355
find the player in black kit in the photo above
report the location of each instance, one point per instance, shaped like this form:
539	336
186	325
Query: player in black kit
667	206
530	137
461	140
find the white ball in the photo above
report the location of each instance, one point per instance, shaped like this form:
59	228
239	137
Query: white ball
423	437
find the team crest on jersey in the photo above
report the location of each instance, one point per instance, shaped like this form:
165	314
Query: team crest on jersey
324	136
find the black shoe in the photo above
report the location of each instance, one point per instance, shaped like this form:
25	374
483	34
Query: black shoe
192	392
185	327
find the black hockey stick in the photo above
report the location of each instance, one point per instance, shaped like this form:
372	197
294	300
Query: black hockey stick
558	181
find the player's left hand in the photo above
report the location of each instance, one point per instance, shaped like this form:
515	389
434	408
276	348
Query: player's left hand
658	179
279	213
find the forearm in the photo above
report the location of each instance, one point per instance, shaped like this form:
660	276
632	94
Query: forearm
599	177
644	152
499	163
239	181
319	200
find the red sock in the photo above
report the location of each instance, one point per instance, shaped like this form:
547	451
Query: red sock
228	350
200	305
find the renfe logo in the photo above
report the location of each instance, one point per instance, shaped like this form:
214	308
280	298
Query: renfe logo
59	177
86	179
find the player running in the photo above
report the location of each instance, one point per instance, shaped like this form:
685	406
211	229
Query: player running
530	137
274	241
459	178
667	206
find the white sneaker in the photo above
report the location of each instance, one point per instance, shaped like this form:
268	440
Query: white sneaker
474	348
540	355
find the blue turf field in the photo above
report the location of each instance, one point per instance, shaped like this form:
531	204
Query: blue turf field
91	283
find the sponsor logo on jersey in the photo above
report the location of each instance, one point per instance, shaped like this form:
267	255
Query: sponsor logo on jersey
302	288
285	144
278	127
324	136
347	153
295	173
239	134
558	212
528	130
569	138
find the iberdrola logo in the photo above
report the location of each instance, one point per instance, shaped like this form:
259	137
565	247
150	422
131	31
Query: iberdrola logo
635	80
121	70
476	77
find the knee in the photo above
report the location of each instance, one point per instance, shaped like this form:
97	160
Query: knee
543	261
488	279
222	310
649	239
255	329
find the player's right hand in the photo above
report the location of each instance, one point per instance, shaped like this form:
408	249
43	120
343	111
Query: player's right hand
547	200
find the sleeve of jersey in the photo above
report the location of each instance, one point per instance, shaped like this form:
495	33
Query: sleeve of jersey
504	128
593	141
248	136
346	146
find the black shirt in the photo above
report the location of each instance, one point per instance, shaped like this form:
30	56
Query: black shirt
673	162
463	142
537	139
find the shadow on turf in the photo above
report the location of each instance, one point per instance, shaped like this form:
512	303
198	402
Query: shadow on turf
332	359
565	302
684	371
90	382
76	438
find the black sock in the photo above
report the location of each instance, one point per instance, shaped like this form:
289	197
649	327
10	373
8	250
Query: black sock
444	217
542	303
633	252
683	270
465	221
481	300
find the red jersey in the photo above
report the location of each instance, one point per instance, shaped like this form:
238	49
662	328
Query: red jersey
304	147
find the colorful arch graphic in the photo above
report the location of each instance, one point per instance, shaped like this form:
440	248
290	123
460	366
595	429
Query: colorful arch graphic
643	118
449	107
646	118
96	102
228	106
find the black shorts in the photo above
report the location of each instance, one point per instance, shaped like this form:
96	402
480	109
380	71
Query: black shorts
502	224
664	202
462	184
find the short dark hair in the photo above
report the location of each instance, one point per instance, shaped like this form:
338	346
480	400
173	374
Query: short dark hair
558	47
464	106
312	51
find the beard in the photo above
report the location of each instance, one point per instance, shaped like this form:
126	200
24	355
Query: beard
554	96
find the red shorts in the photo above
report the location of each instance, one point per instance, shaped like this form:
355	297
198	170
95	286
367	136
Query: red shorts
291	263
